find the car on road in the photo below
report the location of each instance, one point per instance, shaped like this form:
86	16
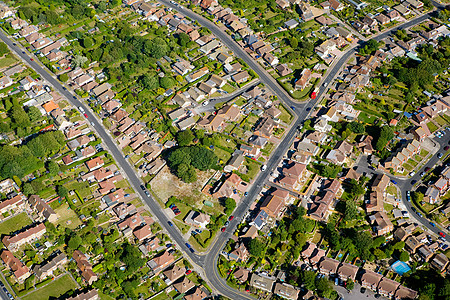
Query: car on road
263	168
147	193
412	173
192	250
362	290
393	181
440	155
230	218
446	148
205	103
188	245
419	214
142	187
31	59
293	108
421	174
245	194
442	234
226	223
170	224
223	229
427	169
432	224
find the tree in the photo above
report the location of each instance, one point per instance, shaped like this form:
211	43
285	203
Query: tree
183	39
62	191
63	77
356	127
150	81
79	60
34	114
404	256
293	42
350	210
74	242
350	285
185	137
52	167
255	247
309	279
230	205
186	173
28	189
166	82
157	48
417	196
324	287
379	254
88	42
386	134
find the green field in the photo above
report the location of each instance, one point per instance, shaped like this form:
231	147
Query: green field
14	223
53	290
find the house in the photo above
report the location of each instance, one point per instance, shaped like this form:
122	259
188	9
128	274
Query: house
229	112
186	123
439	262
85	267
412	244
347	271
181	100
184	285
419	133
328	266
301	83
219	81
43	210
387	287
264	127
286	291
432	194
241	274
20	271
262	282
89	295
27	83
370	279
235	162
291	24
283	69
381	223
196	294
273	206
197	219
159	263
382	19
143	233
283	4
173	273
94	163
240	77
424	252
336	5
306	11
239	253
271	59
26	236
15	204
380	183
131	222
47	269
404	293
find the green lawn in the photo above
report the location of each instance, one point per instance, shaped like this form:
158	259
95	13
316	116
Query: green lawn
7	61
285	116
53	290
366	118
440	121
432	127
14	223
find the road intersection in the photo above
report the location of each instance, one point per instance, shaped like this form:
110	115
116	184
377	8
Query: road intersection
208	261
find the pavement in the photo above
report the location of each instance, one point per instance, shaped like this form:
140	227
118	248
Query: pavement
208	262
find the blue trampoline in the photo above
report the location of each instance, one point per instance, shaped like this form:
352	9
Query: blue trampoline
400	267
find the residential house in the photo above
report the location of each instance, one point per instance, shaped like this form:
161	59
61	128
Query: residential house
159	263
14	204
347	271
262	281
382	19
196	294
286	291
370	279
85	267
404	293
336	5
42	209
197	219
89	295
439	262
301	83
328	266
283	69
239	253
26	236
46	270
387	287
143	233
381	223
184	285
20	271
412	244
173	273
240	77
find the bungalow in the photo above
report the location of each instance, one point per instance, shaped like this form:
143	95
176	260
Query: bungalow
241	274
286	291
197	219
262	281
439	262
240	77
382	19
271	59
283	4
336	5
283	69
291	24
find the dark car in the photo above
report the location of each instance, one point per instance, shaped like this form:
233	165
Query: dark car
143	187
188	245
446	148
170	223
363	290
413	182
427	169
192	250
293	108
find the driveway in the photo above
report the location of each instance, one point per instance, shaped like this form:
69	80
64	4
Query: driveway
356	294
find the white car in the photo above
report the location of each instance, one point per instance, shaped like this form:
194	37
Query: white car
412	173
81	109
205	103
263	168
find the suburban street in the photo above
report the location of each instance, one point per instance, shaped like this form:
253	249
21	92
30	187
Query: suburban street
208	261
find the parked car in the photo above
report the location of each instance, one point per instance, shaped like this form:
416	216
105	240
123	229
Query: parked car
188	272
442	234
440	155
230	218
223	229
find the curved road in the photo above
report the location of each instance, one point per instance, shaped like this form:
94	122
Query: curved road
302	110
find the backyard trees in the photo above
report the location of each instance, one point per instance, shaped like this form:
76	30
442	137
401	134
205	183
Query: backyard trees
256	247
386	134
183	160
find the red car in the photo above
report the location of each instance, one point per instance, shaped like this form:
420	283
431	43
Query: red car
223	229
85	115
188	272
32	59
442	234
313	95
230	218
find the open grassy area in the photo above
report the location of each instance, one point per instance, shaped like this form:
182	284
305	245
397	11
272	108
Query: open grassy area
285	116
67	217
432	127
14	223
7	61
366	118
53	290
